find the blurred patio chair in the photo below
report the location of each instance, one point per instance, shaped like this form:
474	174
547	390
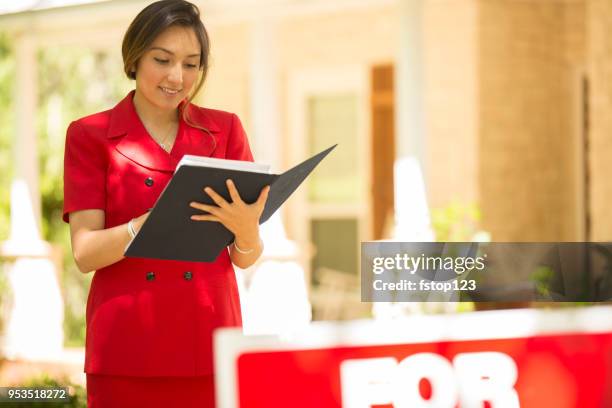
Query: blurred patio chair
338	296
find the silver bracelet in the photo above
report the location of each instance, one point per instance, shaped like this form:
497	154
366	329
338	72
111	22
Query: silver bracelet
130	228
244	251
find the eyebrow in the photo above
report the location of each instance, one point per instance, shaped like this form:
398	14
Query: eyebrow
171	53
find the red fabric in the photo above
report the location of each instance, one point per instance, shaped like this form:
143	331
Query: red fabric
137	327
107	391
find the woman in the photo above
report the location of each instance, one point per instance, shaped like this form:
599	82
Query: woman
150	322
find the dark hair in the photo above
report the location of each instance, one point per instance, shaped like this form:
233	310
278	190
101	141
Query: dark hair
152	21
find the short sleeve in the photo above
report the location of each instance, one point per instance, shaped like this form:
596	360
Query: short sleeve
238	144
85	164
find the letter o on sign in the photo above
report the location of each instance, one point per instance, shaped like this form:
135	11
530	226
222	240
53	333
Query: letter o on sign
434	368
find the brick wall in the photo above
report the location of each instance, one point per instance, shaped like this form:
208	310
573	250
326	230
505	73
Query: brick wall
528	84
451	70
600	67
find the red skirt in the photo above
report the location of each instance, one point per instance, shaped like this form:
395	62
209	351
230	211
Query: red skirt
110	391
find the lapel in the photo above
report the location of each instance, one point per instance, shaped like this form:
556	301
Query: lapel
199	134
137	145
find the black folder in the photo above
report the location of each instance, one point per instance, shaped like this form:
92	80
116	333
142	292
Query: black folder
169	233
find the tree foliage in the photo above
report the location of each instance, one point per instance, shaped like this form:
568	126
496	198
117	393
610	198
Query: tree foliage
6	128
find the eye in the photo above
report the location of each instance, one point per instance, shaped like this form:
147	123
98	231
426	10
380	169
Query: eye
191	66
161	61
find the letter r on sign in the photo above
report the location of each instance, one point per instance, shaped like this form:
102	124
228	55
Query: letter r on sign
487	376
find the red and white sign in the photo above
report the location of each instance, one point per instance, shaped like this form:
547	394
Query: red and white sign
508	359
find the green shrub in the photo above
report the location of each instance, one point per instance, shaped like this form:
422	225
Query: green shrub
78	394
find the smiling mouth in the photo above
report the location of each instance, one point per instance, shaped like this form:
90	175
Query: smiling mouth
170	91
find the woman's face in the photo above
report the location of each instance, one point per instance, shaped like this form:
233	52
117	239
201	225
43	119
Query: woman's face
168	70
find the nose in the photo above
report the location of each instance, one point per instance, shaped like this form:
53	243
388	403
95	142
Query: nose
175	75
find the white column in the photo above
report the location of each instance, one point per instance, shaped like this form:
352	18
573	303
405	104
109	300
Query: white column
266	121
409	79
276	299
25	98
34	329
264	92
411	212
24	236
412	221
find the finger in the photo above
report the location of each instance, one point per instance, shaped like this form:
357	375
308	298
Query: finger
263	196
205	218
204	207
220	201
233	191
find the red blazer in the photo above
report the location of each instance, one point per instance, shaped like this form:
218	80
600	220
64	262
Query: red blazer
149	317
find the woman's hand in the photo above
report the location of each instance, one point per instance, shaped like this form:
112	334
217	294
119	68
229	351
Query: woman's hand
240	218
95	247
